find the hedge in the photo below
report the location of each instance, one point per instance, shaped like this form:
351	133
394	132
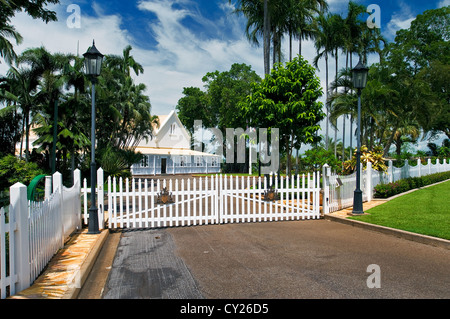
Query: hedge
404	185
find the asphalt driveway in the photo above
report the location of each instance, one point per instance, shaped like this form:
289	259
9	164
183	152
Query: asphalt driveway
272	260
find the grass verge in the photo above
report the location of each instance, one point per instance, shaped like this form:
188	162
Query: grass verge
425	211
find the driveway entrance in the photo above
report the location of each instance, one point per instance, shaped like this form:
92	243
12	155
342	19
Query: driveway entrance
290	259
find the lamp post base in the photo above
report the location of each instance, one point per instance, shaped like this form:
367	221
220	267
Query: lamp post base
357	203
93	222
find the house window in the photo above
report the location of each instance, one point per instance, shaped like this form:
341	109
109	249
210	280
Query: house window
214	161
198	161
144	161
172	129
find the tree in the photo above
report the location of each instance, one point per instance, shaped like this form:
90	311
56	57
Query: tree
125	63
422	53
324	43
304	12
287	99
259	17
219	105
194	105
36	9
24	89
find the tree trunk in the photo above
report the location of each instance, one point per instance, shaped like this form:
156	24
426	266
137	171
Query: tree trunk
27	135
266	36
290	46
326	102
389	142
300	45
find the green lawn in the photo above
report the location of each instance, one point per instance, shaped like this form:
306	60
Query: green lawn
425	211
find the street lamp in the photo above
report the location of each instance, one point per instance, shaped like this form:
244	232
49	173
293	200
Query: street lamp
93	63
359	77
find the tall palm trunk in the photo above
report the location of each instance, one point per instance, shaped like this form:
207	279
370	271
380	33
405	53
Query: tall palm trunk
336	77
326	102
266	35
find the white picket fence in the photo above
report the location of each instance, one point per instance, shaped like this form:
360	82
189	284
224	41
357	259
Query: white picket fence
139	203
339	190
32	232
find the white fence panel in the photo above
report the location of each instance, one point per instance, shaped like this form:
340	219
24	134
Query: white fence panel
8	278
341	188
46	232
32	232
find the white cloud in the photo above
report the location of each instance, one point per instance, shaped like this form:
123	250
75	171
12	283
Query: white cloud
400	20
444	3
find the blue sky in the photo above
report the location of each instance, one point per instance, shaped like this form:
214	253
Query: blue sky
179	41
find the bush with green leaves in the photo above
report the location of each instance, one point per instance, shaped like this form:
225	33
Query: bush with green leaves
14	169
404	185
317	157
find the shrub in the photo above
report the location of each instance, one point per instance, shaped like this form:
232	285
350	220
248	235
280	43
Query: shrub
404	185
13	170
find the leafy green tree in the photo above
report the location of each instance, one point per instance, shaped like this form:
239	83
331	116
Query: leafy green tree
14	169
195	105
287	99
10	124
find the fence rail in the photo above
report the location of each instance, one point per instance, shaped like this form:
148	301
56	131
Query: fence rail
339	190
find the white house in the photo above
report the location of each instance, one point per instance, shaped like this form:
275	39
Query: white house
169	151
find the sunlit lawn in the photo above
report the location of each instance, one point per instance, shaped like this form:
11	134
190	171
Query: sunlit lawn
425	211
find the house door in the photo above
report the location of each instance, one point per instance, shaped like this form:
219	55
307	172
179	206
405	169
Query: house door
163	165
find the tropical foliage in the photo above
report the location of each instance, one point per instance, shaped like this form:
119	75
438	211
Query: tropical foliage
287	99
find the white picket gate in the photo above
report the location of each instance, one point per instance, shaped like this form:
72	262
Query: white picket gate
143	203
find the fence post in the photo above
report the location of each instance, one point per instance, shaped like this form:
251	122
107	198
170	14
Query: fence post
77	182
369	188
326	188
48	186
100	197
429	166
58	187
390	171
19	205
419	164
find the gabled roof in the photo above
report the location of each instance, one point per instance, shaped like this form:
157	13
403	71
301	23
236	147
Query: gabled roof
164	119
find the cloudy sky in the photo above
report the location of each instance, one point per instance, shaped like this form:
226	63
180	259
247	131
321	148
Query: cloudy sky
178	41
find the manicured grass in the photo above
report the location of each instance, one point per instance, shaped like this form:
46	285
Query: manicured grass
425	211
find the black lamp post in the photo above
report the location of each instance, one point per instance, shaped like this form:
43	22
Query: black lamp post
93	63
359	77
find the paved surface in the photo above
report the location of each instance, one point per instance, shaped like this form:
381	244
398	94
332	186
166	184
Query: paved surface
145	267
299	259
309	259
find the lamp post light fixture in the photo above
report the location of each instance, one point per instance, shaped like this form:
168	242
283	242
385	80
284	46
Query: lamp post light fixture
359	78
93	63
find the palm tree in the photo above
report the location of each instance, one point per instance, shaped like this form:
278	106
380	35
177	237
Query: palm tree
305	11
25	89
352	31
6	47
324	46
124	63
